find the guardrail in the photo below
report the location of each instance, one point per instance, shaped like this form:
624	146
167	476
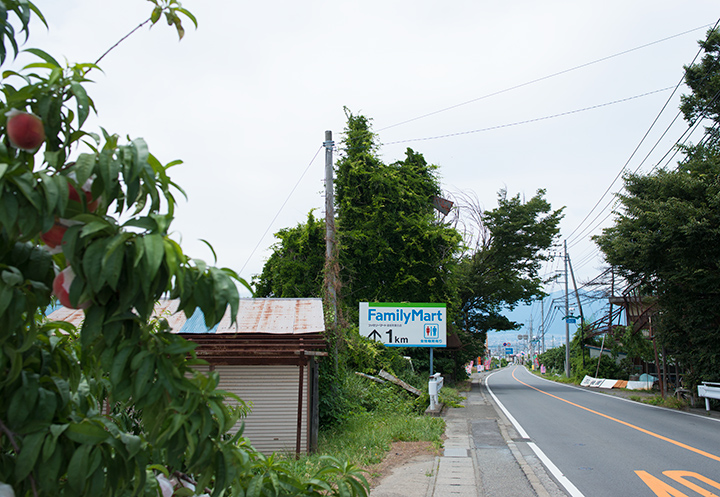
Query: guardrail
709	390
434	386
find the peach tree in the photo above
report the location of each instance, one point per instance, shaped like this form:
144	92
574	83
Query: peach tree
112	408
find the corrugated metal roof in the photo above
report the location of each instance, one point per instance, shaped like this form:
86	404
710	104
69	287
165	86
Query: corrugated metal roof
277	316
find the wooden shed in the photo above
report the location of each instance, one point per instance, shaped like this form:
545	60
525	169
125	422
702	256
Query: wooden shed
268	358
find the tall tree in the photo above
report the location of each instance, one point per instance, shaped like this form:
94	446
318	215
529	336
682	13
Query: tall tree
667	240
502	271
666	236
392	246
295	267
704	81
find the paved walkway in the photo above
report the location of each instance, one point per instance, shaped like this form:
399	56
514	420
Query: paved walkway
483	457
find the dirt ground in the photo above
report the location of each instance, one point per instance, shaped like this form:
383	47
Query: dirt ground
399	454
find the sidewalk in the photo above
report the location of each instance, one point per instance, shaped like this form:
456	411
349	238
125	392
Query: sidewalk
483	457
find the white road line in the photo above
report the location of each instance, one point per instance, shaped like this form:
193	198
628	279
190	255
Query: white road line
559	476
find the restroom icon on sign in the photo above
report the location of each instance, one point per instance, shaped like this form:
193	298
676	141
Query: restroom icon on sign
432	331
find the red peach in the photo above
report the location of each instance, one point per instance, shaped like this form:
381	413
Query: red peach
92	205
53	237
25	130
61	288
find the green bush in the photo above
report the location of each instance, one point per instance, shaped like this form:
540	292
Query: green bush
553	359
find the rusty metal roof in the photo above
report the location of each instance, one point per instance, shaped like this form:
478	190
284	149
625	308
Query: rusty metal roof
275	316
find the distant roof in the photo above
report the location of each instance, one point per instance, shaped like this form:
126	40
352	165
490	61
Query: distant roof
277	316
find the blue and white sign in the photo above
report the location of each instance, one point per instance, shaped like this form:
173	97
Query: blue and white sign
403	324
508	351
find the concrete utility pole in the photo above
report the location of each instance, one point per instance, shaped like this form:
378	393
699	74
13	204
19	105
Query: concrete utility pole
329	144
567	313
542	322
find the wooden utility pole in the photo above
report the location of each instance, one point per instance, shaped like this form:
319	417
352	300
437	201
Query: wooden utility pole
330	275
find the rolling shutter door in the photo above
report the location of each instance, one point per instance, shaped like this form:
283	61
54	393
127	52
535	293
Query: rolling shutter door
272	395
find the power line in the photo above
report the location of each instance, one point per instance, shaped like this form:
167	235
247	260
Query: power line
281	208
500	126
602	59
635	150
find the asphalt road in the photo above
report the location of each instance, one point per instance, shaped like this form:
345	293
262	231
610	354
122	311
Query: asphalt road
601	445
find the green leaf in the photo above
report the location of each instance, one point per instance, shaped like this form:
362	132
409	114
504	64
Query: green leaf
113	260
52	193
189	15
155	16
77	469
118	368
146	223
84	167
86	432
12	276
133	443
44	56
96	226
83	102
3	168
143	377
154	254
31	445
92	263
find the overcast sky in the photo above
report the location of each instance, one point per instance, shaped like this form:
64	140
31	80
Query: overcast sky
245	100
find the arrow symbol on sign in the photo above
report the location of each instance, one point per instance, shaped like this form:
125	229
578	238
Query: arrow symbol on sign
374	335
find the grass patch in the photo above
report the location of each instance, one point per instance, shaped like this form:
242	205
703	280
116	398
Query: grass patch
656	400
364	439
450	396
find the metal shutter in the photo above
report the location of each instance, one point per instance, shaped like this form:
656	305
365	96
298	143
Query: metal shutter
272	393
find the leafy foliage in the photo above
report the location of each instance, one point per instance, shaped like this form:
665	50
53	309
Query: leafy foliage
392	249
295	268
703	80
58	433
666	240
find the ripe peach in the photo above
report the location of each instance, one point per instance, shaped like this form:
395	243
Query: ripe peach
61	288
92	205
25	130
53	237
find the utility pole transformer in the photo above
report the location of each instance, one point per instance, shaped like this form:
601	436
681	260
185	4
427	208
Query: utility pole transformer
329	144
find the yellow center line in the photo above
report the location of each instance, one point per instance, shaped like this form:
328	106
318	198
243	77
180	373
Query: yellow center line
629	425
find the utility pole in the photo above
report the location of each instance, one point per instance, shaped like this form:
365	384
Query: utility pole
567	313
330	225
542	322
530	339
582	316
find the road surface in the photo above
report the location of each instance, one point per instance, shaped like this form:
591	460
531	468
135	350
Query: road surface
601	445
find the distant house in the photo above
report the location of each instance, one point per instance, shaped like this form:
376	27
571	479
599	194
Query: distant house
268	359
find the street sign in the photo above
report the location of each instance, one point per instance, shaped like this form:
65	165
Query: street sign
508	351
404	324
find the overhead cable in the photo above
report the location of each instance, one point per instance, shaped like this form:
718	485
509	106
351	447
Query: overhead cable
500	126
281	208
602	59
636	148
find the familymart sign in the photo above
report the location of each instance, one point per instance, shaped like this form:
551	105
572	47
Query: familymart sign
404	325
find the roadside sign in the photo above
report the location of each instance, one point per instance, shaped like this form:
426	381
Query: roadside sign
508	351
404	324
